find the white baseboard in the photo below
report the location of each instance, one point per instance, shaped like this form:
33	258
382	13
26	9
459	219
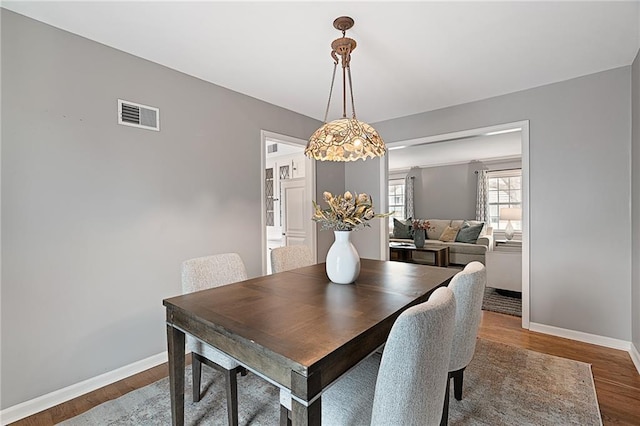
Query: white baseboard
635	357
594	339
33	406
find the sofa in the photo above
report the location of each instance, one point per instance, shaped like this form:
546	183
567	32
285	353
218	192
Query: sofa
459	237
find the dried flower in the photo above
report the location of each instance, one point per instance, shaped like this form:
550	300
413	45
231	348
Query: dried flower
421	224
346	212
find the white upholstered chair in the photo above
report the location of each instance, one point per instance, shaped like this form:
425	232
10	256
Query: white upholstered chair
405	387
468	288
290	257
200	274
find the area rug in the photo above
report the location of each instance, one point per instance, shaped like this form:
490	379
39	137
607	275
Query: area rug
503	385
496	302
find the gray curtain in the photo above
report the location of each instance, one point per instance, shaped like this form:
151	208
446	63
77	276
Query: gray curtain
408	197
482	201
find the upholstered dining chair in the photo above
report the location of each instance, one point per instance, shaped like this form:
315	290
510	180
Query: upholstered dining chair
468	288
290	257
203	273
407	385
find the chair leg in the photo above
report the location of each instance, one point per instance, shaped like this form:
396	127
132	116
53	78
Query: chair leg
196	374
231	384
457	383
444	420
231	381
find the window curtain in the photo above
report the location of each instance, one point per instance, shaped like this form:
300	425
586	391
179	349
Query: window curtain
408	197
482	201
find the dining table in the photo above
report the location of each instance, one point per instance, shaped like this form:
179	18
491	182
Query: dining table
297	329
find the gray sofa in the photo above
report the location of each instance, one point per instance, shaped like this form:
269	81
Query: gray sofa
460	253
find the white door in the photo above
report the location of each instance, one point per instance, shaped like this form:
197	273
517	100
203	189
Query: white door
287	174
279	170
295	223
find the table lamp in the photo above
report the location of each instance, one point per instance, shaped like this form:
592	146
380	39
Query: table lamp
510	214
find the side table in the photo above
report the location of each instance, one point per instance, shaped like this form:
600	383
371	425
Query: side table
504	266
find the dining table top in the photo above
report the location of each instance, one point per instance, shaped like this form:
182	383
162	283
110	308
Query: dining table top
299	321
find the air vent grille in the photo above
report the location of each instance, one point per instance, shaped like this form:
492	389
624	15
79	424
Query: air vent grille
130	114
138	115
272	148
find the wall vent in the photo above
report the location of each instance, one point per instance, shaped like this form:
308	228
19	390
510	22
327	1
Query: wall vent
137	115
272	148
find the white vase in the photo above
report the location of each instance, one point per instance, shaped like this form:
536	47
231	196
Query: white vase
343	262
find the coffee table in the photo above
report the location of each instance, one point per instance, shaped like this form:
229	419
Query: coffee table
403	252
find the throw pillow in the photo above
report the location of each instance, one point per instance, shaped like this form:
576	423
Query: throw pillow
449	234
402	229
469	233
436	227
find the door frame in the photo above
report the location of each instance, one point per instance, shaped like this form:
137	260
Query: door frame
524	132
310	188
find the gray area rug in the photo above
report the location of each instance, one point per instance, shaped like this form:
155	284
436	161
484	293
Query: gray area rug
496	302
503	385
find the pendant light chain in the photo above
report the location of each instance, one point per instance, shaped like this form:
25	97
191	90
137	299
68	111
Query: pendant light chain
333	79
353	105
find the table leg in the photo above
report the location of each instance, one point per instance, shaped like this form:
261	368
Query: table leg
175	347
441	257
306	416
306	388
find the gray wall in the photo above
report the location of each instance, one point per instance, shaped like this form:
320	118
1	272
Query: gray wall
635	212
364	176
449	192
329	177
580	140
97	217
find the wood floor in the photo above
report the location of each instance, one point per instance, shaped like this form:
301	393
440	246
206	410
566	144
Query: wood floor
616	379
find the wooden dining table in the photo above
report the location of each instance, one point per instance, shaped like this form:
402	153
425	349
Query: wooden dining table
297	329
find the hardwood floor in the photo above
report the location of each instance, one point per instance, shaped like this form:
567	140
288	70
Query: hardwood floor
616	379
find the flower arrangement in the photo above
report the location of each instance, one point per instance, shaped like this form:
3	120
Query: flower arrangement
346	212
421	224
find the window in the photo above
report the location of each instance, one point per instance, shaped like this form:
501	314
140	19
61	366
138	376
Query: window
396	200
268	193
505	190
284	174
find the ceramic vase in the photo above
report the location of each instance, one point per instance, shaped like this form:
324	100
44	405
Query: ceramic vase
418	237
343	261
509	232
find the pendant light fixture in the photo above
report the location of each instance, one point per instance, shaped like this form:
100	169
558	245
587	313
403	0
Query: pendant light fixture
345	139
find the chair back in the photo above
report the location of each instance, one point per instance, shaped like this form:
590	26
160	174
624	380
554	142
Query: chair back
290	257
212	271
468	288
410	388
207	272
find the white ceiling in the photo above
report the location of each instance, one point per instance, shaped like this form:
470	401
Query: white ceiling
456	151
411	56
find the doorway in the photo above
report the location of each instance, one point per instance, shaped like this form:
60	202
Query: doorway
288	192
523	128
